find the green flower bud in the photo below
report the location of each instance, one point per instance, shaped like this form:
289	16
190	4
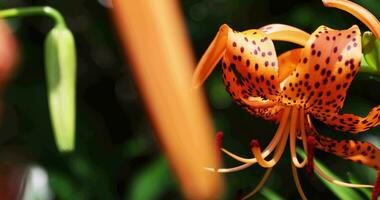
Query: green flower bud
60	63
371	54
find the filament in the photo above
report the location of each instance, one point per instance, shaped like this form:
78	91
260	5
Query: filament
260	185
337	182
302	127
277	155
297	181
229	170
293	132
271	146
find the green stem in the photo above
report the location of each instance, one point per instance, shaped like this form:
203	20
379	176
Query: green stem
32	11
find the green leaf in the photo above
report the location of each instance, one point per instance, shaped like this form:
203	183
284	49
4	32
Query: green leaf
344	193
151	181
60	63
367	192
63	187
270	194
371	54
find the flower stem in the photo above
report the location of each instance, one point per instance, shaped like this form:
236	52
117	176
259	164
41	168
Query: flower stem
33	11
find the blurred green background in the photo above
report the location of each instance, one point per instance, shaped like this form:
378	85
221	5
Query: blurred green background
116	155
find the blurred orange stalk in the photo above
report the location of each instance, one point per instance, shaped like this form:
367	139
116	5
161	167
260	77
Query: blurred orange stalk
154	36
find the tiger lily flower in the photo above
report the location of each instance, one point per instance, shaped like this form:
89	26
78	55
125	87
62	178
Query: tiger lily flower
291	89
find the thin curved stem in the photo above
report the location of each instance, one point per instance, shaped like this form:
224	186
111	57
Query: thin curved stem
302	128
292	140
32	11
271	146
229	170
277	155
260	185
293	132
297	181
337	182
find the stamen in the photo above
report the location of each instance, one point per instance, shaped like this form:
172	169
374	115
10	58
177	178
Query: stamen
376	189
256	151
311	142
297	181
229	170
358	11
302	128
293	132
273	143
219	137
337	182
260	185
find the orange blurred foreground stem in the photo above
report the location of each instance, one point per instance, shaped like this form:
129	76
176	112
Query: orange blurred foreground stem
156	42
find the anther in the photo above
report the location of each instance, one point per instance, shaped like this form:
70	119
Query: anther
219	137
255	143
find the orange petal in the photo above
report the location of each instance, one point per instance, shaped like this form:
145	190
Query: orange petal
250	70
357	151
211	57
352	123
324	72
359	12
287	63
282	32
250	63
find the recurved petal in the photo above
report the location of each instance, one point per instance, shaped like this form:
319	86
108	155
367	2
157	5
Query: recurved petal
283	32
358	11
357	151
250	62
325	70
250	70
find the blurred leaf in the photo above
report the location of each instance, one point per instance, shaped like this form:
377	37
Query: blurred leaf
219	97
343	193
63	187
60	63
269	194
151	182
365	191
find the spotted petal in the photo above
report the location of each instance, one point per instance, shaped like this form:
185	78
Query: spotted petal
250	70
324	72
357	151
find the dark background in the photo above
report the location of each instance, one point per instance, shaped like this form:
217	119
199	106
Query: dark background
116	154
